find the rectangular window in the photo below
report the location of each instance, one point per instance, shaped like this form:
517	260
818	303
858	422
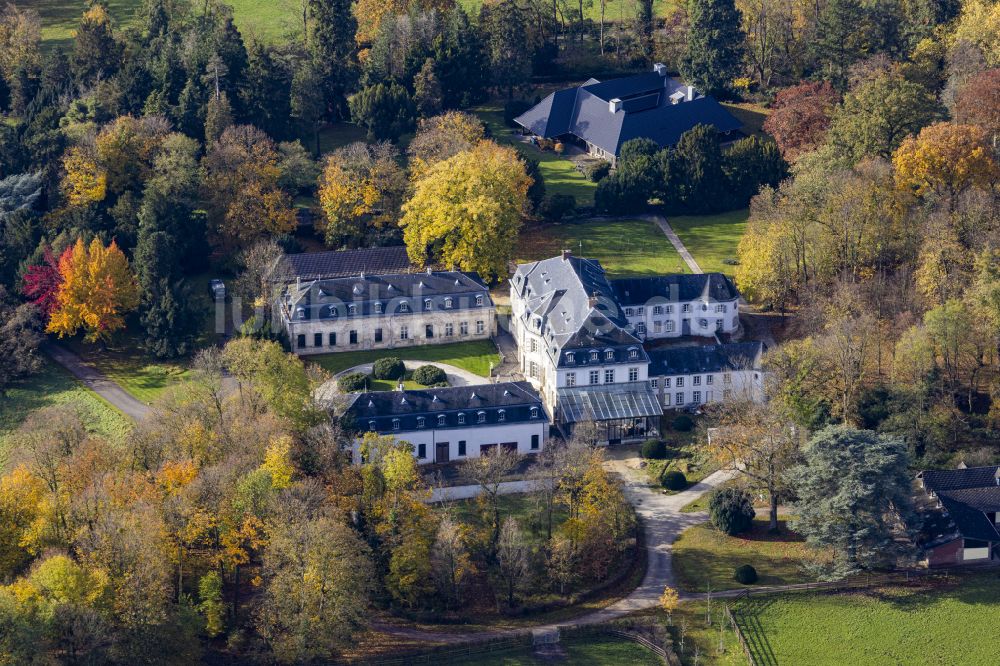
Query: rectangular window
696	397
300	342
317	339
479	299
666	399
533	369
686	307
640	328
461	447
595	376
404	333
657	309
463	328
640	310
679	397
708	379
449	330
666	382
429	331
720	308
697	380
727	378
378	335
669	309
534	442
726	394
481	417
332	339
670	326
629	312
353	337
655	383
480	327
657	327
421	451
534	345
609	376
633	374
570	379
680	382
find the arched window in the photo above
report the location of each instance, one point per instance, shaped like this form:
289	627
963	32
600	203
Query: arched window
352	309
501	415
447	302
371	425
395	424
534	412
427	304
441	419
461	419
481	417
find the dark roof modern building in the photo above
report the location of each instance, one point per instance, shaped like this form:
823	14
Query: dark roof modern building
604	115
677	287
961	514
344	263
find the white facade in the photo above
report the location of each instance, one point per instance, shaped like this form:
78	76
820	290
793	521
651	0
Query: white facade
686	390
657	320
434	445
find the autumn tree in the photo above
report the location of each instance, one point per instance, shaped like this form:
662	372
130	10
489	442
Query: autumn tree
21	329
98	288
241	187
451	564
800	117
978	103
715	46
467	210
96	52
361	191
945	159
440	137
512	557
488	471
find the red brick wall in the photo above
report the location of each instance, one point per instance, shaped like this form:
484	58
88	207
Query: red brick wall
945	554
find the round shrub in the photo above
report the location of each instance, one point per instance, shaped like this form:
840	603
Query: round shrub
352	382
682	423
428	375
597	171
557	206
654	449
674	480
388	368
731	510
745	574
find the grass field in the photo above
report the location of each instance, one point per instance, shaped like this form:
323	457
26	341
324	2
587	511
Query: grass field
625	247
940	624
712	238
123	363
54	386
703	555
614	10
560	175
522	507
474	356
605	651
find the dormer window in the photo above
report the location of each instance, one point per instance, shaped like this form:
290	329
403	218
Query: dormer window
569	357
609	355
378	307
420	422
534	412
441	419
501	415
300	313
395	424
481	417
593	356
633	353
332	311
447	302
479	299
404	306
352	309
427	304
461	419
371	426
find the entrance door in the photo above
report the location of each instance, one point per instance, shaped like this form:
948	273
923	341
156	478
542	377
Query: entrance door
441	453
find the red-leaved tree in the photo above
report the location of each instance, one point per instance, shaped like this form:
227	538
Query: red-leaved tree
801	117
41	282
978	103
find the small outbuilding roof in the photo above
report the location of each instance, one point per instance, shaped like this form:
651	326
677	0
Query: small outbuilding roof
344	263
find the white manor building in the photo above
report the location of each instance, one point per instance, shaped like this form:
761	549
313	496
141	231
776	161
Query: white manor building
580	343
386	311
448	424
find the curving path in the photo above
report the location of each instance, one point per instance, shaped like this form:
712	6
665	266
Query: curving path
98	382
663	522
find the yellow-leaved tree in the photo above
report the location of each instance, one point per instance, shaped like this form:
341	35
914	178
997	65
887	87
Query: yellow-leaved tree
441	137
945	159
467	210
98	288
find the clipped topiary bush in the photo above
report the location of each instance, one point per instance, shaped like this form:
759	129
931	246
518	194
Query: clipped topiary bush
731	510
557	206
745	574
388	368
352	382
428	375
597	171
654	449
674	480
682	423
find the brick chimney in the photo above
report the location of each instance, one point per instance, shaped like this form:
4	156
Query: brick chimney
566	254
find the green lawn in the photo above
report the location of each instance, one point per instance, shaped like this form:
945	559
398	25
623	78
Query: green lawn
474	356
267	19
604	651
338	135
703	555
940	624
125	364
712	238
592	10
55	386
523	507
560	175
625	247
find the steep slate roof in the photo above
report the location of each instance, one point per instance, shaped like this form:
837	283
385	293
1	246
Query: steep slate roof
343	263
326	299
559	290
681	287
966	496
698	360
516	399
647	111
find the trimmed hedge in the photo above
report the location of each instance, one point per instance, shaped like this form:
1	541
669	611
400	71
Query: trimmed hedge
682	423
674	480
352	382
731	510
389	367
745	574
428	375
654	449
